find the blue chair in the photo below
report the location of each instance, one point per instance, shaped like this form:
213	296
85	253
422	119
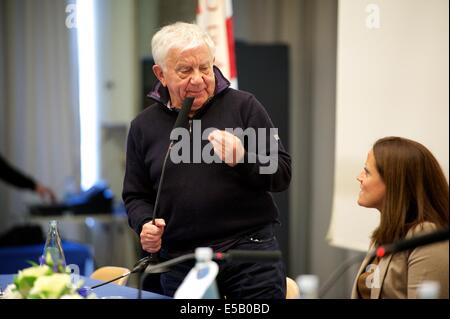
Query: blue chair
13	259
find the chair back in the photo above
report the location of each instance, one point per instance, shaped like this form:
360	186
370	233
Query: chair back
292	289
107	273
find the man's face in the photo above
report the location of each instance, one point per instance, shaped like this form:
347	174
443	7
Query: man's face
188	73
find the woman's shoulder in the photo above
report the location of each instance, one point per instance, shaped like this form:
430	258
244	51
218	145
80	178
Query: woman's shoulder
421	229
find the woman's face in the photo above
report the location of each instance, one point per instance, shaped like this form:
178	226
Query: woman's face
373	189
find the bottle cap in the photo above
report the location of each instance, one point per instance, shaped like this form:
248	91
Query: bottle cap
428	289
308	285
203	253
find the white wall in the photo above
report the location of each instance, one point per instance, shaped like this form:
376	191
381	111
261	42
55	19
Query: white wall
118	60
118	84
391	80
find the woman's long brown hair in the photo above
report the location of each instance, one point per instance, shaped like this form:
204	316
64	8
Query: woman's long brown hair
416	188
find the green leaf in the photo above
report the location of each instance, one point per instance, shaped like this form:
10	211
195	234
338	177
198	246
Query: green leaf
32	263
24	285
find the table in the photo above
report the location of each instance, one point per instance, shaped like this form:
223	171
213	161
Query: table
107	291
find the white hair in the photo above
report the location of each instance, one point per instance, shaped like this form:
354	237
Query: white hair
179	35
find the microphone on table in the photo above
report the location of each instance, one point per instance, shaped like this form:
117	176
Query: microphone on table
231	255
411	243
145	264
139	267
181	121
384	250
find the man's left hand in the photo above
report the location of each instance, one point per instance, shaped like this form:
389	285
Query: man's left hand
227	146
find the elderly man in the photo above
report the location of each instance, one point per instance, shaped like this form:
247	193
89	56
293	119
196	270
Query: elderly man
223	203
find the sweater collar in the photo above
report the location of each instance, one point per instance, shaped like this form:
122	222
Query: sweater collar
160	94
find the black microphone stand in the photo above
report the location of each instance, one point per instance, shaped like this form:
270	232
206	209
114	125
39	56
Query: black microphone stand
139	267
152	268
153	258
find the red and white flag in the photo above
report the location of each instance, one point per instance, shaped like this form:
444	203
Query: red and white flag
215	16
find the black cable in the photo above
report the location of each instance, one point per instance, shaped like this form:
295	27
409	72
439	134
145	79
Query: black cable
338	273
107	282
137	268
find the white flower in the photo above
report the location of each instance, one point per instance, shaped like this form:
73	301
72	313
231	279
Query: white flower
40	282
11	292
25	279
51	287
36	271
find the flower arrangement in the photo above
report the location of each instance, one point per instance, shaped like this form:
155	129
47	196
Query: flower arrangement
43	282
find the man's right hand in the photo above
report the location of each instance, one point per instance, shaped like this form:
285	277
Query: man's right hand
45	193
151	235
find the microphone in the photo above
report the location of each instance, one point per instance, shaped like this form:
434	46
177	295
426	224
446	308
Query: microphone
182	118
141	265
384	250
231	255
181	121
414	242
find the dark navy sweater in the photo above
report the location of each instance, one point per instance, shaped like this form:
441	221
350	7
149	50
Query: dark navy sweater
202	204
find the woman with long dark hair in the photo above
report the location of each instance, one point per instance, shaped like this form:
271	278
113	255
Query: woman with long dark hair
405	183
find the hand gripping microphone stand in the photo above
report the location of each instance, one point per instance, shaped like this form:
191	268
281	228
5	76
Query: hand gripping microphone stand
150	262
181	121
